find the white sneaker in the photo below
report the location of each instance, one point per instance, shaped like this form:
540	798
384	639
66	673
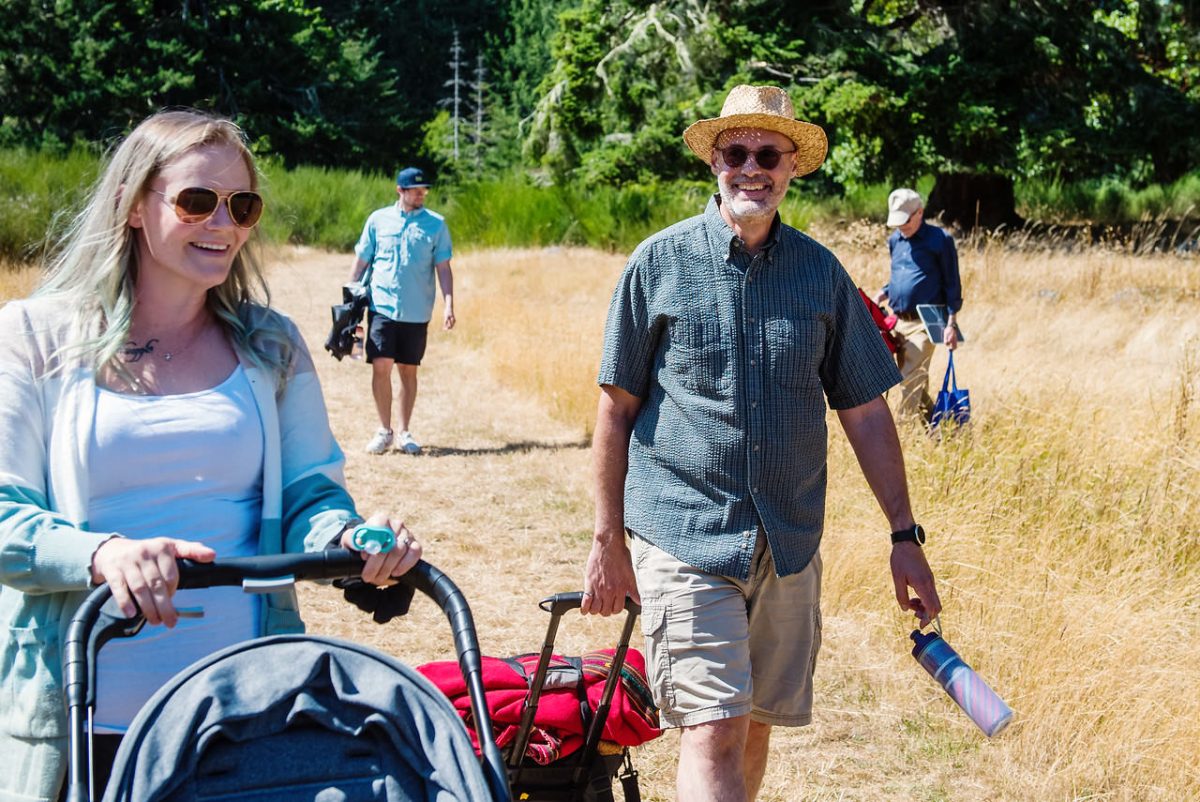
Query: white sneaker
381	442
408	445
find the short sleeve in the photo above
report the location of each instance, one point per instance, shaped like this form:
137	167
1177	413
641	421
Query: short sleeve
857	366
441	246
630	341
365	248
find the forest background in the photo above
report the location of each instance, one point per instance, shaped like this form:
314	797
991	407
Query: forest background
567	113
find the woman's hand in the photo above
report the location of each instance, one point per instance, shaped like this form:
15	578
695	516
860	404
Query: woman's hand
144	571
379	569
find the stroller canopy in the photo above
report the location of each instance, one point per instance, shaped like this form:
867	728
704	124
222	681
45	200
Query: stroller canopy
297	717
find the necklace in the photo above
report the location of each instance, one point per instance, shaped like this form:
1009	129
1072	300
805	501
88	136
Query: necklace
132	352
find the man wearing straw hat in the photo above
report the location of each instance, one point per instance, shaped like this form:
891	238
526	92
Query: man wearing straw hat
727	335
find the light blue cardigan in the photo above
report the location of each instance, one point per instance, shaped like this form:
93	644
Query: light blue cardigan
46	416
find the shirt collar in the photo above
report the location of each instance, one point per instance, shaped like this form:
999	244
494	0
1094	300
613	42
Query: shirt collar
724	238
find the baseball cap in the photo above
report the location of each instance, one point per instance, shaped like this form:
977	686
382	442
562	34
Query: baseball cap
411	178
902	204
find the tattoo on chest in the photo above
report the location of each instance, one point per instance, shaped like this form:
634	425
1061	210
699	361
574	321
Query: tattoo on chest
132	352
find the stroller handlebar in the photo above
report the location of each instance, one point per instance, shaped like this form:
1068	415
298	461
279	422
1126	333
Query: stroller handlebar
93	625
561	603
328	564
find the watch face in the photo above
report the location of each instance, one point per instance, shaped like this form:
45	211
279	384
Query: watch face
919	531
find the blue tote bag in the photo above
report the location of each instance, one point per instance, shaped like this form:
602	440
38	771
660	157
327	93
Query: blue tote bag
952	404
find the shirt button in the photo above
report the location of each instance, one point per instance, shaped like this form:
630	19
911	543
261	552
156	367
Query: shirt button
751	321
756	448
752	490
753	405
752	363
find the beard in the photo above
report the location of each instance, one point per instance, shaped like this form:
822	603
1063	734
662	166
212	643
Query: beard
749	209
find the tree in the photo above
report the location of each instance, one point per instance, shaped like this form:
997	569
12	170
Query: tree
977	92
89	69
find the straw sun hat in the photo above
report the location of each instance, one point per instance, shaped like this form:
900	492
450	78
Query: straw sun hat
766	107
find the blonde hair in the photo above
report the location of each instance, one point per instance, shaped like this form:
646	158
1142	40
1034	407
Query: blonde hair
94	270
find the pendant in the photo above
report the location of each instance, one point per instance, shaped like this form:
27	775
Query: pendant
166	356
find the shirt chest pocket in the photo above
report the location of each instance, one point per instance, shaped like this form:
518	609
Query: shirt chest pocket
794	349
416	246
387	251
697	356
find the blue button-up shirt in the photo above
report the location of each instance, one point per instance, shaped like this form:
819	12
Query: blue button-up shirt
924	270
402	249
734	358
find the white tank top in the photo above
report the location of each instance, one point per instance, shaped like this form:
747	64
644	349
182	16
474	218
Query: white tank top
185	466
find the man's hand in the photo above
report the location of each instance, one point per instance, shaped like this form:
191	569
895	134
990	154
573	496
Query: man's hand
608	577
950	336
144	571
911	570
448	320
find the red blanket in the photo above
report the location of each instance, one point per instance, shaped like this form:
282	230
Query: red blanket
558	726
885	324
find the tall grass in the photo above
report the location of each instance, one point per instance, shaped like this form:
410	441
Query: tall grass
320	207
1109	201
326	208
37	191
1063	525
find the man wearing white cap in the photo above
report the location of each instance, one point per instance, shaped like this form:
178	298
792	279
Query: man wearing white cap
727	335
924	271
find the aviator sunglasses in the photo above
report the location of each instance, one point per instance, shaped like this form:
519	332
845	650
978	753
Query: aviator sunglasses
767	158
197	204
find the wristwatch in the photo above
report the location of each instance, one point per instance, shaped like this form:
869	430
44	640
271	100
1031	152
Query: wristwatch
913	534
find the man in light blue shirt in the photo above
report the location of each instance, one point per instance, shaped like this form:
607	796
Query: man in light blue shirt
404	245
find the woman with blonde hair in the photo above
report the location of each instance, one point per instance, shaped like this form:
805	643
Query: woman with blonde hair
153	407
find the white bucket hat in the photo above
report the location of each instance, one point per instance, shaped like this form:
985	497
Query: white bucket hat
767	107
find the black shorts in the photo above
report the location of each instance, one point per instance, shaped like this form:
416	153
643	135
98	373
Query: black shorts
393	339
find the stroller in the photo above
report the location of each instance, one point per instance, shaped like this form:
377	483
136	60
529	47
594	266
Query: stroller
348	724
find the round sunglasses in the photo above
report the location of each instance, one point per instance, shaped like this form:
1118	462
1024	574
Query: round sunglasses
197	204
767	158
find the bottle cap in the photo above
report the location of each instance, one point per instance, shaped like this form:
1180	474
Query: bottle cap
922	641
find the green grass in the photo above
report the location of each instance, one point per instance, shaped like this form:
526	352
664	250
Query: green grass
321	207
1109	201
326	208
38	191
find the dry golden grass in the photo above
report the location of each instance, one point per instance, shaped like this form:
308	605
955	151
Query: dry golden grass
1063	524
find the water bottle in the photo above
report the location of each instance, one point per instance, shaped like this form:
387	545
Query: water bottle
373	539
980	702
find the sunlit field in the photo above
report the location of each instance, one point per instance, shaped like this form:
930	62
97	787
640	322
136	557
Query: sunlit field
1063	522
1064	525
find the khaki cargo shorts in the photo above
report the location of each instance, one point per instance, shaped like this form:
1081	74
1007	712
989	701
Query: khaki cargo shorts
719	647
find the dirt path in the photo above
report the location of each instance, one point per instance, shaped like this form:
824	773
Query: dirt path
500	498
